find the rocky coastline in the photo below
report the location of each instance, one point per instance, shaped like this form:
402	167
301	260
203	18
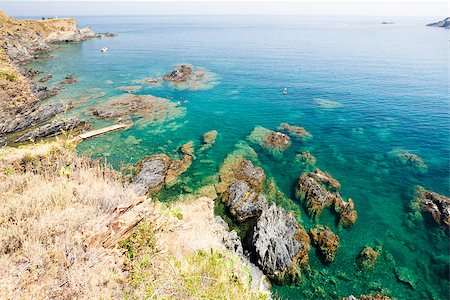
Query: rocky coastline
21	99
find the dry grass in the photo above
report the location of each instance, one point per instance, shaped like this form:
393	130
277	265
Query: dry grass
49	201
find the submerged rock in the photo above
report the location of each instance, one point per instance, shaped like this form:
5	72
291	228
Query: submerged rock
444	23
209	139
69	79
325	241
305	159
328	104
271	140
45	78
296	131
406	276
433	204
367	258
280	243
318	190
148	107
52	129
243	202
404	157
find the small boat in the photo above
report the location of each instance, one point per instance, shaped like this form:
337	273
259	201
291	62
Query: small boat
104	49
285	91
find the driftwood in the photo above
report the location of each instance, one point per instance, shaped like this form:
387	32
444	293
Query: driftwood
120	223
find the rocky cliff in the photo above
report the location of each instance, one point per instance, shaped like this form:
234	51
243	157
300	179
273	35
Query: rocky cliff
20	41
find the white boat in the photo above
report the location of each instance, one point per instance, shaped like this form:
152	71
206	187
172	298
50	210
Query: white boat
104	49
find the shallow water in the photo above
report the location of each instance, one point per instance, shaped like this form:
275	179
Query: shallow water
362	89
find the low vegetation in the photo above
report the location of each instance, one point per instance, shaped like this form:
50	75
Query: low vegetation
51	201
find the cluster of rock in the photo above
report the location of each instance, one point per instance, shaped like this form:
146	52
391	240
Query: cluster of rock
377	296
296	131
305	159
155	171
433	204
278	243
69	79
180	74
367	258
318	190
404	157
444	23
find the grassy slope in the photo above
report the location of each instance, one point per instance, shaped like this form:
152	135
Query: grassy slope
50	202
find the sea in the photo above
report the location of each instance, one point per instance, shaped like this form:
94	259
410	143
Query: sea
374	96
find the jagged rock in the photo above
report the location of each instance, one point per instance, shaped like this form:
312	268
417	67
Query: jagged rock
152	171
434	204
325	241
346	211
35	114
406	276
444	23
105	34
179	74
54	128
280	243
296	131
243	202
233	242
305	159
277	140
120	223
179	166
318	190
367	258
251	174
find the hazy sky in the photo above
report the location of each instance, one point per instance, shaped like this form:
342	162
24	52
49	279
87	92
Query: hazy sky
438	9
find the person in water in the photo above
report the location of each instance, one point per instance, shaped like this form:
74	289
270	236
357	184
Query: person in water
285	91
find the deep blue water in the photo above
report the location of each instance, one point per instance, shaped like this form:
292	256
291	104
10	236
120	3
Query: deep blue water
391	82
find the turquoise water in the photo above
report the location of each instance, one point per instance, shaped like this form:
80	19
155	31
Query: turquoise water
391	82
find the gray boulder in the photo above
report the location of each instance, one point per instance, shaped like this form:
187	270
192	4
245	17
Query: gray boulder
280	243
52	129
152	172
243	202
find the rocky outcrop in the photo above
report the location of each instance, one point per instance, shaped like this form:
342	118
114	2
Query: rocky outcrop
32	115
318	190
408	159
243	202
153	172
280	243
295	131
305	159
43	92
275	142
367	258
69	79
51	129
251	174
179	74
444	23
433	204
325	241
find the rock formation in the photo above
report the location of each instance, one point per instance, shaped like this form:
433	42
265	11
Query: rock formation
51	129
153	172
151	108
367	258
280	243
179	74
325	241
268	139
296	131
433	204
376	296
318	190
406	158
305	159
444	23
